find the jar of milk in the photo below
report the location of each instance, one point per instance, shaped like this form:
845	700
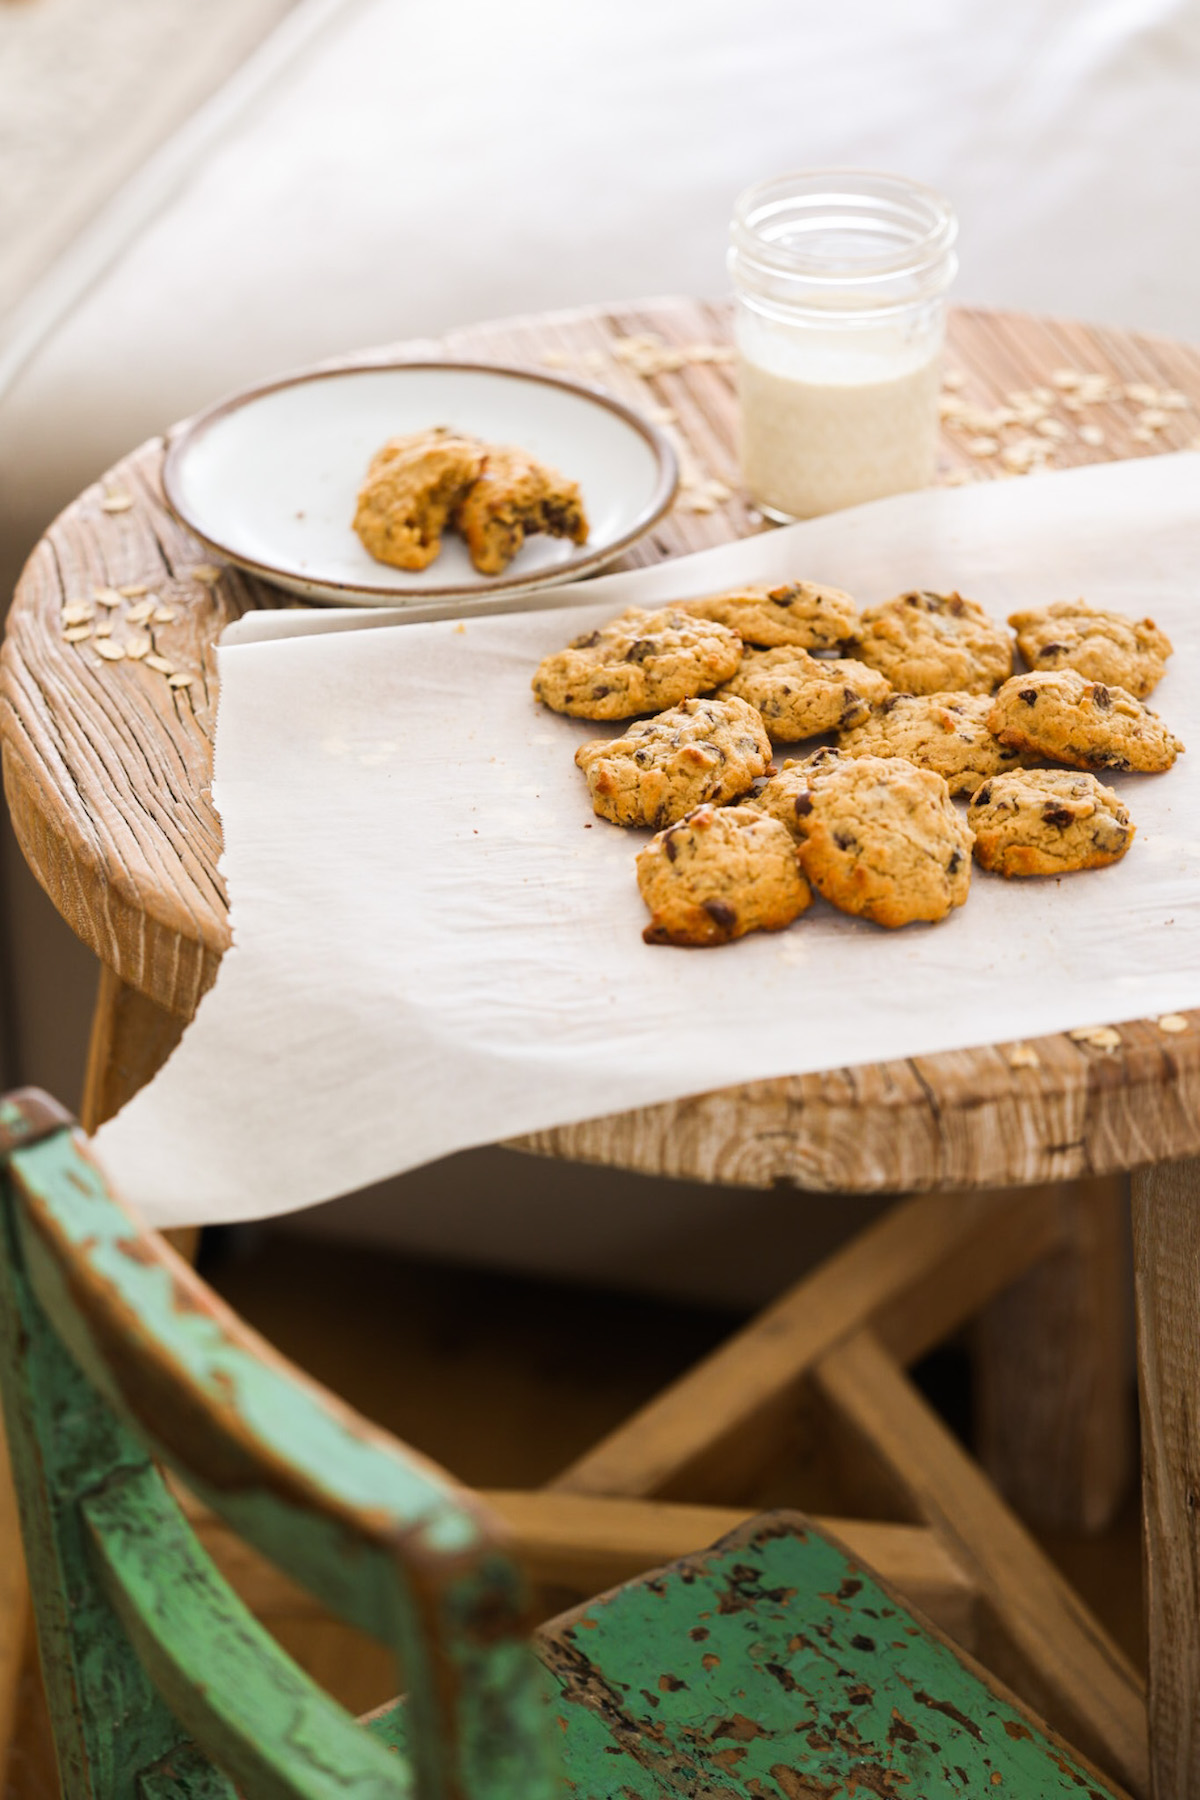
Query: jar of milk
840	277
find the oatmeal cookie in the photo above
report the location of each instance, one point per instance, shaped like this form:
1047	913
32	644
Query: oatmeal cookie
947	733
1058	715
638	663
413	485
1102	646
1047	822
881	838
800	695
778	796
514	497
717	874
708	749
792	612
926	643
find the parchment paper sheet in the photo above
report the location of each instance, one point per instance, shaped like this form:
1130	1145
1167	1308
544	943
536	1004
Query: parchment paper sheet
437	946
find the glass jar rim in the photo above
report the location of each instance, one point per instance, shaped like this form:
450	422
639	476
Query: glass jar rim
928	216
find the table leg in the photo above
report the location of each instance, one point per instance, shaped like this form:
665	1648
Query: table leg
1054	1370
1166	1240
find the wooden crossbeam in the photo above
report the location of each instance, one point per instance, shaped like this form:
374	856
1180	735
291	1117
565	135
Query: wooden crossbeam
914	1277
1036	1633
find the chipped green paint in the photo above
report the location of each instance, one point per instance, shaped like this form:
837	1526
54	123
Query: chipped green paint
774	1668
382	1536
770	1668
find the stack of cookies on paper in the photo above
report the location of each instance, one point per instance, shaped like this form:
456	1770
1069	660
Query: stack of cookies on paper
920	697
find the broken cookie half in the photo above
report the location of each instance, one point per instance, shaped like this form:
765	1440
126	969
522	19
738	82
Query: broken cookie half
495	495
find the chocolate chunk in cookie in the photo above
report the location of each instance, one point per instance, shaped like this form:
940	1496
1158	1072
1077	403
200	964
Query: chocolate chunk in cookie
947	733
413	485
1061	717
707	749
791	612
800	695
787	796
1101	646
718	874
927	643
882	839
638	663
1047	822
514	497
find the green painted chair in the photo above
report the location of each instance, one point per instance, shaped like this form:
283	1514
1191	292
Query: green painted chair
769	1667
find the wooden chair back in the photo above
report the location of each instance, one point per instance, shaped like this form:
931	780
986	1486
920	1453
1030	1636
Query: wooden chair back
115	1358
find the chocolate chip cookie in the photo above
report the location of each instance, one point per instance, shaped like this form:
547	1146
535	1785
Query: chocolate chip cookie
718	874
779	795
641	662
707	749
947	733
792	612
883	839
413	485
927	643
1058	715
800	695
1102	646
513	497
1047	822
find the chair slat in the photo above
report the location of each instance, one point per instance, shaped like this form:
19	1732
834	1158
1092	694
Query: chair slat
245	1702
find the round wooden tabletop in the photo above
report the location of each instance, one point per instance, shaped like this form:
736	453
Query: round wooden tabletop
108	755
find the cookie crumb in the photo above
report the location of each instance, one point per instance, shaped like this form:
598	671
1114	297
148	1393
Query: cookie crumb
116	503
1024	1056
1173	1023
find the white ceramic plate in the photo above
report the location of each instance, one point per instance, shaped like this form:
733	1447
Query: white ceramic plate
268	479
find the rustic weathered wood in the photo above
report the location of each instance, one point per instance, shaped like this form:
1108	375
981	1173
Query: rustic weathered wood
1035	1631
1054	1371
107	769
1166	1238
915	1275
132	1036
773	1657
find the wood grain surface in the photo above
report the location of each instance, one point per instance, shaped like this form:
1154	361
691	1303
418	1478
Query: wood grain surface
107	771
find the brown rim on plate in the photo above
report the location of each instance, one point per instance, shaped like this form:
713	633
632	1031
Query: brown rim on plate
180	438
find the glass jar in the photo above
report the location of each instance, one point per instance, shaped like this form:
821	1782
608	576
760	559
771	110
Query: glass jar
840	278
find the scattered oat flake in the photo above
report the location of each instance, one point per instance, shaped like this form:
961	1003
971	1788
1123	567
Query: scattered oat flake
78	613
983	446
662	415
161	664
1023	1056
1154	418
116	503
133	590
592	359
1141	435
1141	392
205	572
1043	395
698	503
163	615
952	378
180	680
1091	434
556	359
137	615
1051	428
1173	401
1066	378
1174	1022
138	644
110	650
102	628
75	634
107	596
1097	1037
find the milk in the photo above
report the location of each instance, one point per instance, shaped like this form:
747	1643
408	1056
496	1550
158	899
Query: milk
828	424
